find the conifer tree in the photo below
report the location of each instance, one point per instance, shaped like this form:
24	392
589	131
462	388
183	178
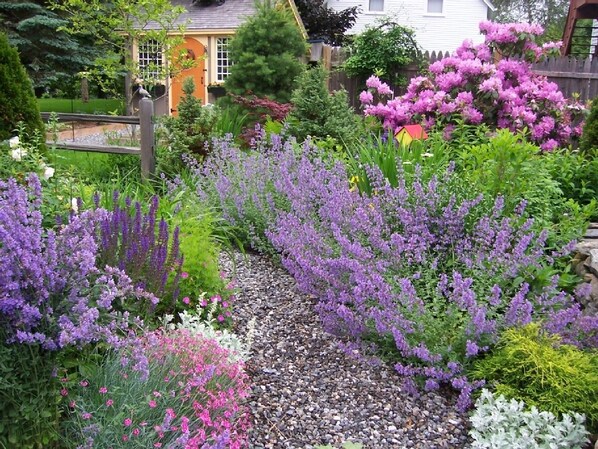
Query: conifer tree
265	52
17	100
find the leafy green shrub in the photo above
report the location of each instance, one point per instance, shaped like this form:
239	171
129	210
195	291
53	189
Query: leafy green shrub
532	366
589	137
576	174
29	396
510	166
265	51
317	113
200	257
501	424
384	50
17	101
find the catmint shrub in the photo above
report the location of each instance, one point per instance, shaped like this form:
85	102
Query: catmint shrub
240	186
422	276
189	394
412	271
54	295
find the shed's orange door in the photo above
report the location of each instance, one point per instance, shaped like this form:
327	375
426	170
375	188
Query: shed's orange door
195	50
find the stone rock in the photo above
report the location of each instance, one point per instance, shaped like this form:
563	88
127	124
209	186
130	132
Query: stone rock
592	262
594	291
585	246
591	233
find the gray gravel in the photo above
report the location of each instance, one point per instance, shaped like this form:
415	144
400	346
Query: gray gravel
101	138
307	391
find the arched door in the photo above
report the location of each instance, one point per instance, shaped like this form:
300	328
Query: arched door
195	51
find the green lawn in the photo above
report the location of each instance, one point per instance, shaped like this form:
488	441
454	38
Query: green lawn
95	106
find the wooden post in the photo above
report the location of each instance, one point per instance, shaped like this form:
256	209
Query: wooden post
146	122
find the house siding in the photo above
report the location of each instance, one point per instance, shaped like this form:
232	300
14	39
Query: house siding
443	32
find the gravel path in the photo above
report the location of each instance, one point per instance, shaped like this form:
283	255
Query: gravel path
307	391
97	138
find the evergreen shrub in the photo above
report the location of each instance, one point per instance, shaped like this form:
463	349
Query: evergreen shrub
190	131
17	100
532	366
317	113
265	51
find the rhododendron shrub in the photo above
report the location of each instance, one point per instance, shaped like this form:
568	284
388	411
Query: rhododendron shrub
189	395
410	272
491	83
51	291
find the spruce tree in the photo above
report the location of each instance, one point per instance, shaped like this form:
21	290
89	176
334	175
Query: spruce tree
265	52
17	101
317	113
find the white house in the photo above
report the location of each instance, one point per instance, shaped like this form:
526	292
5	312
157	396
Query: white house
440	25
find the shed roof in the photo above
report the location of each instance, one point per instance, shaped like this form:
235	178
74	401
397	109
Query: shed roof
229	15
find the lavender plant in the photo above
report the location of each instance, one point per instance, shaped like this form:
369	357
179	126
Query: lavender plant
51	292
412	272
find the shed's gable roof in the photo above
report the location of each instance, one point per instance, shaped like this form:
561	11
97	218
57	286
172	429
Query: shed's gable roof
227	16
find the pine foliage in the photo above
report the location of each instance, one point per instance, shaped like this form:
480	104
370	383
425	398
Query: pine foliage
317	113
265	52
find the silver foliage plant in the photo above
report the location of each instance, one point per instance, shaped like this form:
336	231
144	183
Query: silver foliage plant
501	424
238	348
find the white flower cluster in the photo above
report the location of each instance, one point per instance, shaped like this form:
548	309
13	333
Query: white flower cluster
501	424
18	152
239	349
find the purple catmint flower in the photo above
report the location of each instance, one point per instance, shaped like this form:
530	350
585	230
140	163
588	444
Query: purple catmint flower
410	270
52	292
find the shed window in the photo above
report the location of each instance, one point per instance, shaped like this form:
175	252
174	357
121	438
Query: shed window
376	5
435	6
150	59
223	62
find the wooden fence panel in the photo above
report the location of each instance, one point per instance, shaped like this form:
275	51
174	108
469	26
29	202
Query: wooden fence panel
145	121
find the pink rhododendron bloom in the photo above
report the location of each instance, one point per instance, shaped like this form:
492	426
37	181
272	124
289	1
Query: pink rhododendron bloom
373	82
491	83
366	97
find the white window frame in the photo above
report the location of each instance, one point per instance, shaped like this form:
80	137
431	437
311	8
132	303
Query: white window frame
375	11
429	13
150	58
223	62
